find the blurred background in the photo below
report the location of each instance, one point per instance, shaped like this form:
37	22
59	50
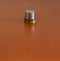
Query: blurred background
19	41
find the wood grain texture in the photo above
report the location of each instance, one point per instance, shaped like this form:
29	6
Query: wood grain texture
26	42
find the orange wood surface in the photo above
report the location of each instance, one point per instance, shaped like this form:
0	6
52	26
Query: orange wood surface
26	42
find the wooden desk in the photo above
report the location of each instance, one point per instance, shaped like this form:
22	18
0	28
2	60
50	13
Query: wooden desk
23	42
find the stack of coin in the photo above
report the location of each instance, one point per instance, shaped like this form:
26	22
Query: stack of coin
30	16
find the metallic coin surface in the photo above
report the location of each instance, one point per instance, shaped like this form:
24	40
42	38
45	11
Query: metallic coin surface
30	16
